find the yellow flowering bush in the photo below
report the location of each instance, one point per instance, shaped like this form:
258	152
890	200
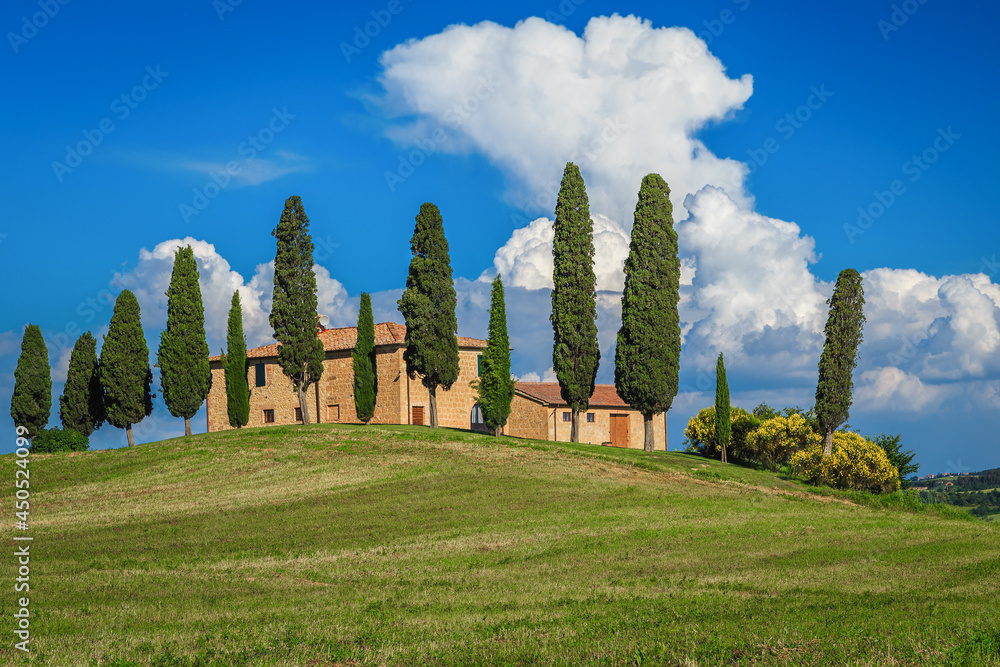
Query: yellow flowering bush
855	463
700	431
778	438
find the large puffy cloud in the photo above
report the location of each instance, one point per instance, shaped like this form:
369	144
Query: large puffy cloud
890	388
525	260
752	295
623	100
151	277
938	329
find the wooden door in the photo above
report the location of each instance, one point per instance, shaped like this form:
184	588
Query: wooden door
619	431
418	415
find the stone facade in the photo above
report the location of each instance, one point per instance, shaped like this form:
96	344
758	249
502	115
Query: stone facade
400	400
536	411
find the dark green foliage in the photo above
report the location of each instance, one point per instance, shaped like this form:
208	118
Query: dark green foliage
53	440
575	352
899	459
185	375
293	309
81	406
840	353
647	356
234	364
32	400
428	307
496	388
365	368
124	367
723	427
763	412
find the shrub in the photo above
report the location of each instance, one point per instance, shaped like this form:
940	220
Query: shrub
774	441
700	432
52	440
856	463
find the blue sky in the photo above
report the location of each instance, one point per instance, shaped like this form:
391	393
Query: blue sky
772	125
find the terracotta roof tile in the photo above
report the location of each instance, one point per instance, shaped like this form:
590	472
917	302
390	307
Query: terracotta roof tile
605	395
344	338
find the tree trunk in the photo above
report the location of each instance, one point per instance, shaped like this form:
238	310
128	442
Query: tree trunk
723	448
498	431
187	426
304	403
130	436
574	429
432	391
828	443
647	426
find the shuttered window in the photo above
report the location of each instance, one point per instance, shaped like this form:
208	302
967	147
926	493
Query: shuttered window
261	378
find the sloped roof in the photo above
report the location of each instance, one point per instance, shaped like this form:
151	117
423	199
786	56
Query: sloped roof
605	395
344	338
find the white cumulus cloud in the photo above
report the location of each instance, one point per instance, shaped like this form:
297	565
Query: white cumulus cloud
525	260
622	100
151	277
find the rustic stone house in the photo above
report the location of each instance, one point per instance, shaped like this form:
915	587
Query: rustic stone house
536	412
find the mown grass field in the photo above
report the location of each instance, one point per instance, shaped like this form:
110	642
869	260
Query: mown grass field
341	545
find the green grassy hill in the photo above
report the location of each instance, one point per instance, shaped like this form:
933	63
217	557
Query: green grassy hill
341	545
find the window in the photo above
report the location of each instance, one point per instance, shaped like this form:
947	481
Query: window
479	365
418	415
567	417
477	415
333	413
261	378
268	416
298	414
590	417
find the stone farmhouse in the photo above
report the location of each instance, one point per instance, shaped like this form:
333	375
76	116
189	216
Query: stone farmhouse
537	411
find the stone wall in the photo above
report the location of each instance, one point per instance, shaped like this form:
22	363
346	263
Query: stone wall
454	405
332	398
528	419
598	432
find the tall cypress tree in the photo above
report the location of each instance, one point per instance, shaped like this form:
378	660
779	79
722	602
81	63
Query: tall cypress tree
840	354
363	358
293	310
575	351
428	307
234	364
647	356
32	400
496	388
185	374
124	367
723	426
81	406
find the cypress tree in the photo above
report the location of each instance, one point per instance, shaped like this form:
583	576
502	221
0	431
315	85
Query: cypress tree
124	367
293	310
723	426
32	400
185	374
840	354
496	388
365	368
234	364
428	307
647	355
81	406
575	351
